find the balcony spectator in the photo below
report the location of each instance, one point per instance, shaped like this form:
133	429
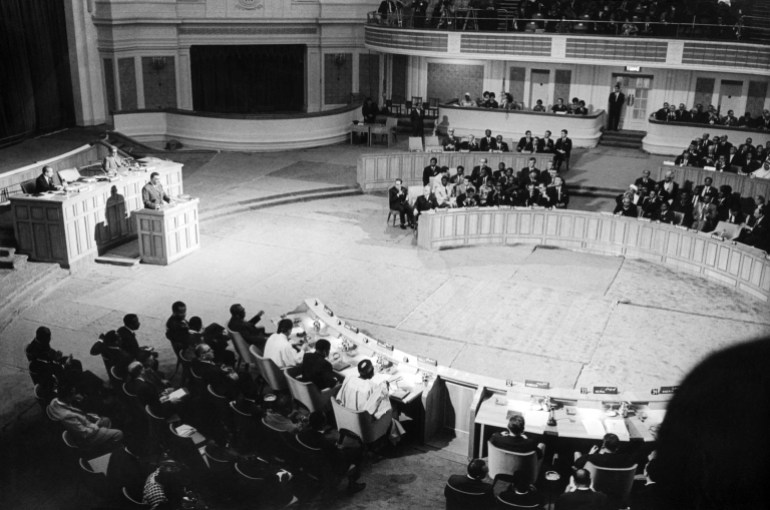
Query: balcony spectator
559	107
538	106
730	119
466	101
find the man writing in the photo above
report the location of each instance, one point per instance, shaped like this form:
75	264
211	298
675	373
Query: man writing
153	194
363	394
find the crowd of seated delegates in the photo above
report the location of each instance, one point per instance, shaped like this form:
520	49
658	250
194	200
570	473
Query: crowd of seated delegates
697	114
507	102
719	154
561	148
701	208
100	418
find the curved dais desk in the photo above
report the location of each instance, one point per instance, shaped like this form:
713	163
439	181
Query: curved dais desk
671	138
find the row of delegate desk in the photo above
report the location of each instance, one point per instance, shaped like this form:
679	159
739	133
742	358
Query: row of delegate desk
75	225
470	406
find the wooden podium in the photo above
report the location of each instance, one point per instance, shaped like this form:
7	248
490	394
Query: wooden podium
168	234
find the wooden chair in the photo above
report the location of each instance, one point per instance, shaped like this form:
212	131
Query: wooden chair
506	462
307	393
29	187
388	129
614	482
269	371
360	423
417	101
433	103
241	347
433	144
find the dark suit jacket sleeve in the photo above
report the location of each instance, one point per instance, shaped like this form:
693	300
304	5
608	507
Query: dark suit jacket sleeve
41	185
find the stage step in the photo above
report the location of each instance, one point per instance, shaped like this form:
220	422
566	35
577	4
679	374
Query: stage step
25	285
625	139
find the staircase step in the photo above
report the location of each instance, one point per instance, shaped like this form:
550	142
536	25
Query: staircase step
25	285
626	145
117	261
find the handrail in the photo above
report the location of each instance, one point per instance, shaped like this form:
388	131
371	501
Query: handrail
747	129
510	23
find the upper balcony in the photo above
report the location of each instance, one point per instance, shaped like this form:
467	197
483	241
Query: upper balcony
691	46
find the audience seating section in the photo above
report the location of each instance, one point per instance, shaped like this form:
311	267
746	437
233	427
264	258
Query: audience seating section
361	423
269	371
307	393
506	462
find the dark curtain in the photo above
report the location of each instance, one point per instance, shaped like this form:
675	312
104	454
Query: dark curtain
248	79
35	81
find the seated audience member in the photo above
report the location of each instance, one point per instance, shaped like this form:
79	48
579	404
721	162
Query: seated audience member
429	171
758	234
580	495
316	367
470	490
750	164
520	494
561	195
45	181
645	181
683	204
686	158
662	113
369	110
669	188
626	207
707	217
442	191
153	194
649	496
682	114
730	119
490	101
563	149
484	191
523	176
721	164
48	367
508	103
112	163
89	430
705	459
734	214
671	115
607	455
545	195
724	201
177	327
559	107
115	358
451	142
425	202
216	337
283	352
530	195
762	173
398	200
651	205
363	394
466	196
222	378
581	108
339	457
488	143
459	176
480	173
538	106
466	101
515	440
151	388
126	332
470	145
502	146
247	328
526	143
665	214
546	143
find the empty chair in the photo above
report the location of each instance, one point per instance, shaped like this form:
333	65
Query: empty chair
360	423
307	393
269	371
506	462
614	482
415	144
388	129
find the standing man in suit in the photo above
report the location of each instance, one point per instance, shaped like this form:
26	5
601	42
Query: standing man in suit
44	182
617	98
430	171
563	148
153	194
398	201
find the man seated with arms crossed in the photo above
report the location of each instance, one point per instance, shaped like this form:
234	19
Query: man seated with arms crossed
113	162
515	440
247	328
153	194
89	430
44	182
398	200
470	491
282	351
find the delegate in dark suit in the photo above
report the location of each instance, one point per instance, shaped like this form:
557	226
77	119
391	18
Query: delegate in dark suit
463	492
316	369
44	183
582	499
513	443
488	144
429	171
398	201
563	148
617	98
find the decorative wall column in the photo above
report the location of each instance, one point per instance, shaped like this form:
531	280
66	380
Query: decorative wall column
184	80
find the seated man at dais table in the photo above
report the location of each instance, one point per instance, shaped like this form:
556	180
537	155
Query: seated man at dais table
363	394
113	162
282	351
515	440
316	367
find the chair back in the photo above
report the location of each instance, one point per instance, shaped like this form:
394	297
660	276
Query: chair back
506	462
415	144
391	123
361	423
457	499
413	193
241	346
267	368
614	482
29	187
678	218
306	392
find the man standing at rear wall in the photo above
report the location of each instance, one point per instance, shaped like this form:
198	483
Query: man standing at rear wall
617	98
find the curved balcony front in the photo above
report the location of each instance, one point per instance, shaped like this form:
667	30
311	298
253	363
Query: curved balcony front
681	54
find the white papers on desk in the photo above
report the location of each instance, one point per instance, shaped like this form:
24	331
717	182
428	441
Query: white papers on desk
594	427
536	421
618	427
654	417
191	432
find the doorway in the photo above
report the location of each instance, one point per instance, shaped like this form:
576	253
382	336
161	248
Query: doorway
539	82
637	91
730	97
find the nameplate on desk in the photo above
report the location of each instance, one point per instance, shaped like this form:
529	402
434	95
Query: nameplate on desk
427	361
328	311
385	345
540	385
351	328
668	390
605	390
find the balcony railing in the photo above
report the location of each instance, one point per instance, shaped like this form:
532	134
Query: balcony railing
747	29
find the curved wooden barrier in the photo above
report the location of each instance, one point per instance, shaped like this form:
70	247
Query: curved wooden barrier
690	176
379	171
671	138
741	267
